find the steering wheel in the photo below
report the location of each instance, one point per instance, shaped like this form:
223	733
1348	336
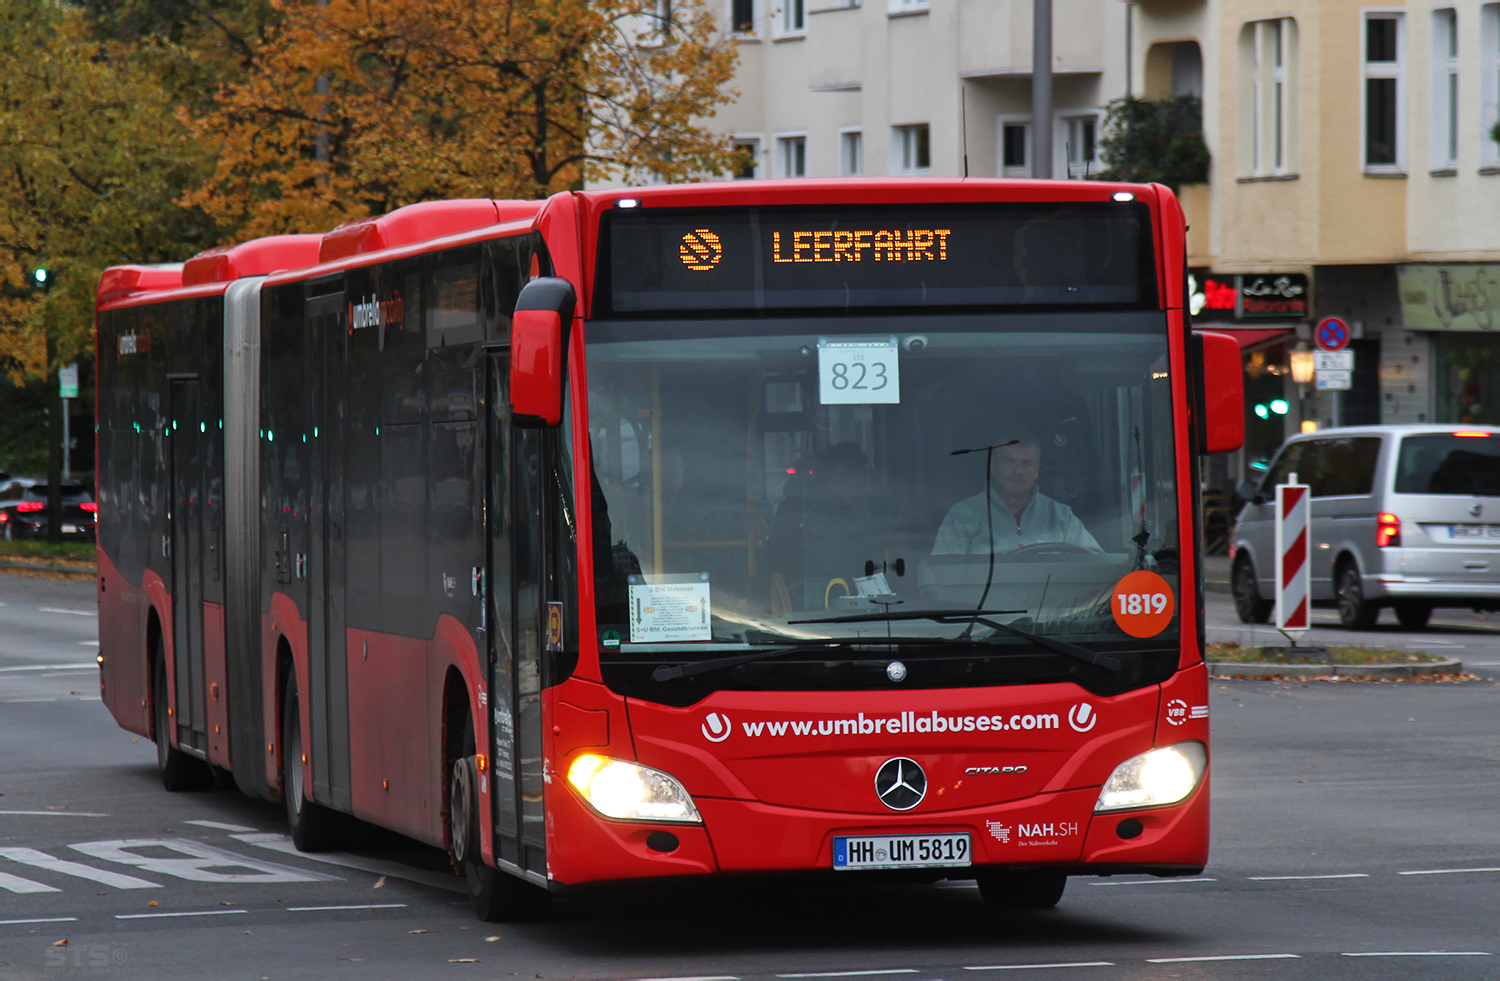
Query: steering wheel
1040	549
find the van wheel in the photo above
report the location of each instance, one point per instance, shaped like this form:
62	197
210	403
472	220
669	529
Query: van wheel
1247	602
1031	889
1355	612
178	770
313	827
1413	616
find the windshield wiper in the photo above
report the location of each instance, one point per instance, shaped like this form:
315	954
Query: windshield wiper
982	616
671	672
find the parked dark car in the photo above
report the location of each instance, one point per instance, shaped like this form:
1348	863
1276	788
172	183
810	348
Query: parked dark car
23	510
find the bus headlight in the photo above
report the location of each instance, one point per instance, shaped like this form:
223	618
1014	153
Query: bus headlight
1162	776
629	792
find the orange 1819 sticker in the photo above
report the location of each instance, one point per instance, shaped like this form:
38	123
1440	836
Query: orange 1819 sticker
1143	604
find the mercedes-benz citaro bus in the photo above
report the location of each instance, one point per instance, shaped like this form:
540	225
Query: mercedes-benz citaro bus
764	527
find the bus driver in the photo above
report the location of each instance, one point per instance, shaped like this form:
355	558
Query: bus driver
1020	514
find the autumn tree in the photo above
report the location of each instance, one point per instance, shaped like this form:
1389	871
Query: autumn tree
92	161
354	107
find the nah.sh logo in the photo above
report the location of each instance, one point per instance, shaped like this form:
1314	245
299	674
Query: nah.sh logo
716	727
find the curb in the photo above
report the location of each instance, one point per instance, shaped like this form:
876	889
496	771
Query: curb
1221	669
77	570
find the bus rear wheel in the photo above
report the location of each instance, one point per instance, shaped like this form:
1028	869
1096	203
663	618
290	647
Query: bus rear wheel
1022	890
495	895
313	827
178	770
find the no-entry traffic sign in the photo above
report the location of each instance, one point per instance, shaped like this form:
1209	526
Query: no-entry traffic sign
1332	334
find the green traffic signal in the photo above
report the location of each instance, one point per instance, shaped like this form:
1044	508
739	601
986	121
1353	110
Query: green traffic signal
39	277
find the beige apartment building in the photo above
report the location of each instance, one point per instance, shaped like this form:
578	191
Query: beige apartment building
1353	171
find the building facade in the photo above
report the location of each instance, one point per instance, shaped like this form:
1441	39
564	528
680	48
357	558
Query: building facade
1354	174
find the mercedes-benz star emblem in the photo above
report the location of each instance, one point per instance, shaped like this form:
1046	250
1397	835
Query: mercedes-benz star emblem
900	784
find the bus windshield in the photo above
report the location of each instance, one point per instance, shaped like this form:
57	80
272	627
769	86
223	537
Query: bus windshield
795	481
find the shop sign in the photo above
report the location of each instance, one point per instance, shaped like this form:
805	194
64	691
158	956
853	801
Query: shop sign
1450	297
1263	296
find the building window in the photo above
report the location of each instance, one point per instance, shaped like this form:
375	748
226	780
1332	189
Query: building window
791	156
1079	146
742	16
1383	122
1489	83
851	153
1268	99
1445	88
1015	147
791	19
748	165
913	149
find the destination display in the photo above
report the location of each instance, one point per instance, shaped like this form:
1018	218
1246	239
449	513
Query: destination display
746	259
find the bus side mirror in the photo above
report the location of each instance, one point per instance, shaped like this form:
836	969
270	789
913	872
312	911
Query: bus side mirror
538	351
1223	393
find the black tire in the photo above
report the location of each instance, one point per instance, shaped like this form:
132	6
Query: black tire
1247	602
1355	612
1413	616
178	770
313	827
495	895
1030	889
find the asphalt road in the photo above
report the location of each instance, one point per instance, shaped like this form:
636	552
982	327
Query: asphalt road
1355	836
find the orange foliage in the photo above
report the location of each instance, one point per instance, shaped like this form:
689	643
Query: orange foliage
356	107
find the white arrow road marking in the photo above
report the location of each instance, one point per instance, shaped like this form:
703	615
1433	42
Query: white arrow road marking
198	861
281	843
41	860
219	825
14	883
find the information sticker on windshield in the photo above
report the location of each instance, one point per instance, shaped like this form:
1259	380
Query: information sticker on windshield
669	608
858	371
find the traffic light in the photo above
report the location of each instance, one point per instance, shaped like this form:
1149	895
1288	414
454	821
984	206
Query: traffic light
41	278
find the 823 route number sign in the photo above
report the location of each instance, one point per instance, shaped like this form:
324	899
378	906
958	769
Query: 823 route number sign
858	371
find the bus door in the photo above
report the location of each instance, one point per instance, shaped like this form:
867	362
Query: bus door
327	666
185	538
515	614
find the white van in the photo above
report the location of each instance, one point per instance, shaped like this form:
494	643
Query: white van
1402	516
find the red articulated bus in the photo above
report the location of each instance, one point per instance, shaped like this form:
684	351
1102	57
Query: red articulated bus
733	528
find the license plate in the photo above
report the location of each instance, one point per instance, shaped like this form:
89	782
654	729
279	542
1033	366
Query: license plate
1470	532
70	529
901	851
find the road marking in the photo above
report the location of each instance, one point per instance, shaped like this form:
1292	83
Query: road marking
281	843
197	862
1446	871
41	860
40	919
318	909
1155	882
14	883
715	977
220	825
27	701
1287	878
1224	957
50	668
201	912
76	613
852	974
1038	967
1420	953
88	643
75	814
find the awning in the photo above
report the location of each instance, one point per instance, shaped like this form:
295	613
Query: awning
1251	338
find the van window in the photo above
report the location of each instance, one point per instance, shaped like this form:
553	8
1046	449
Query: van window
1289	462
1340	467
1446	464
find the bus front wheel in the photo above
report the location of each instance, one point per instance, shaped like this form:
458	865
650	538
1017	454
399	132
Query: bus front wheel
496	896
1022	890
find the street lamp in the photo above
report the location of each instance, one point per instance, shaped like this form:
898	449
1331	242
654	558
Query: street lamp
1302	365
